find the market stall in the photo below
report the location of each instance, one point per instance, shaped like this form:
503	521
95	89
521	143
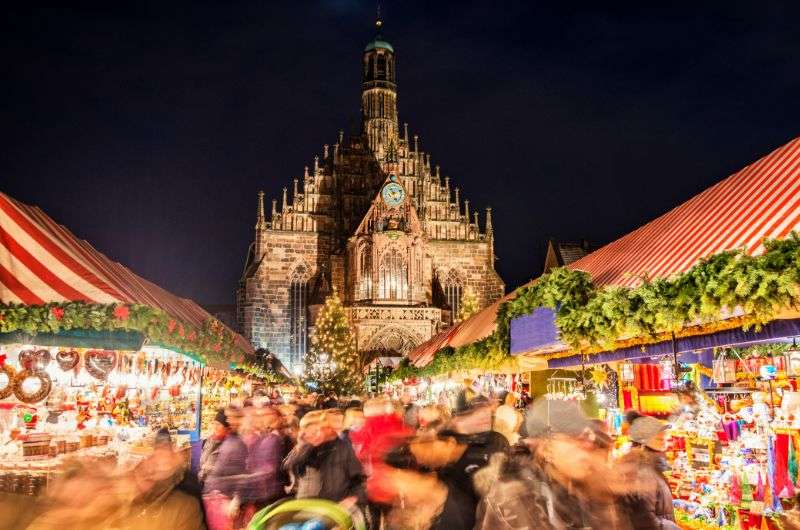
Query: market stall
687	297
93	358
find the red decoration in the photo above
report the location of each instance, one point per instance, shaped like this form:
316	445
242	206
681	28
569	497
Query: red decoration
122	312
57	312
171	326
181	331
2	360
217	347
192	335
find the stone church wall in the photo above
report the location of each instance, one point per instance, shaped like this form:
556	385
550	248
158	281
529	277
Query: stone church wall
471	261
264	299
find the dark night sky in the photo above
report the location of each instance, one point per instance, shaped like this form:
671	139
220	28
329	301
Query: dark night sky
148	129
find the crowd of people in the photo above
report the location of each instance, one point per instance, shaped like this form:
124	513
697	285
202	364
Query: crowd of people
486	466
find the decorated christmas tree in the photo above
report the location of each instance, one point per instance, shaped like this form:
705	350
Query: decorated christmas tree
333	364
469	304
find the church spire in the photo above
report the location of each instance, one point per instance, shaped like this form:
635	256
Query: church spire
379	93
261	222
261	226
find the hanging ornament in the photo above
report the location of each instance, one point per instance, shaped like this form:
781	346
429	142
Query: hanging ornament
600	377
627	372
67	360
36	359
99	363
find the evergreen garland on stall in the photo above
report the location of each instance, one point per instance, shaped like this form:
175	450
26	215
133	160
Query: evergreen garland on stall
591	318
212	342
333	365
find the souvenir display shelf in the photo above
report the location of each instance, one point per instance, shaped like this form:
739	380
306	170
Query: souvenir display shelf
59	404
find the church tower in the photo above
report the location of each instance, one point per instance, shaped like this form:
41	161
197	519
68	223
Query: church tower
379	95
370	217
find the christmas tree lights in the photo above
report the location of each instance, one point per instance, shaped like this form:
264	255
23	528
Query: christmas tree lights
333	365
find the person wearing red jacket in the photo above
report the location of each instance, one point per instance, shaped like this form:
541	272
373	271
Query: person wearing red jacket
383	430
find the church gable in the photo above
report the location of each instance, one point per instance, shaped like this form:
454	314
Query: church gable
391	211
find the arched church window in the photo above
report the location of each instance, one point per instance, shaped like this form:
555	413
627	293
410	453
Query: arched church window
393	276
298	325
365	272
453	290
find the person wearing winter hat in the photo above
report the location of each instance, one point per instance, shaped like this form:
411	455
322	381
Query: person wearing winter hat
563	482
649	432
650	503
211	445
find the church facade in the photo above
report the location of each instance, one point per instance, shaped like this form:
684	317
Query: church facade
373	219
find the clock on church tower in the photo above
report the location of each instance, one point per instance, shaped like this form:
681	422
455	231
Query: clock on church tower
393	193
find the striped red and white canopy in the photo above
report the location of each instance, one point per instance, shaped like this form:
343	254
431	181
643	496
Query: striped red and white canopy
41	261
760	201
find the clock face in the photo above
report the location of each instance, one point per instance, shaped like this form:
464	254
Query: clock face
393	194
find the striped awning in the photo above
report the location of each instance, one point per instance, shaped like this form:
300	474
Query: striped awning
760	201
41	262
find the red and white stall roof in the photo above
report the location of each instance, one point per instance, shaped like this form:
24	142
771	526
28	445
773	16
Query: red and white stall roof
760	201
41	262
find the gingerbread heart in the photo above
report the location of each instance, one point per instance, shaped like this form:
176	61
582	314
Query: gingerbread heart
67	360
34	360
100	363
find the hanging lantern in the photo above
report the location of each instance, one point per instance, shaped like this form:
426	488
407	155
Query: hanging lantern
793	360
724	370
627	372
667	367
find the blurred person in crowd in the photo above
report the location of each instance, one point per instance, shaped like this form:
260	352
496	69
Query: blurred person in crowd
96	497
329	402
507	419
324	465
424	461
472	429
335	419
353	421
265	458
382	430
208	457
559	478
650	503
627	420
290	431
410	410
432	419
227	481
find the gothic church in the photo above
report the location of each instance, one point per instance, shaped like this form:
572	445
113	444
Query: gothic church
375	221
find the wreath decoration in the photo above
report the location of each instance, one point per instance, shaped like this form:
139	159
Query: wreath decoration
45	384
31	371
7	369
100	363
67	360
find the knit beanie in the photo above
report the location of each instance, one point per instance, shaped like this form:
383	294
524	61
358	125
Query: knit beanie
645	428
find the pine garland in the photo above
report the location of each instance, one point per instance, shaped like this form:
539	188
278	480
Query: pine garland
213	342
590	318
